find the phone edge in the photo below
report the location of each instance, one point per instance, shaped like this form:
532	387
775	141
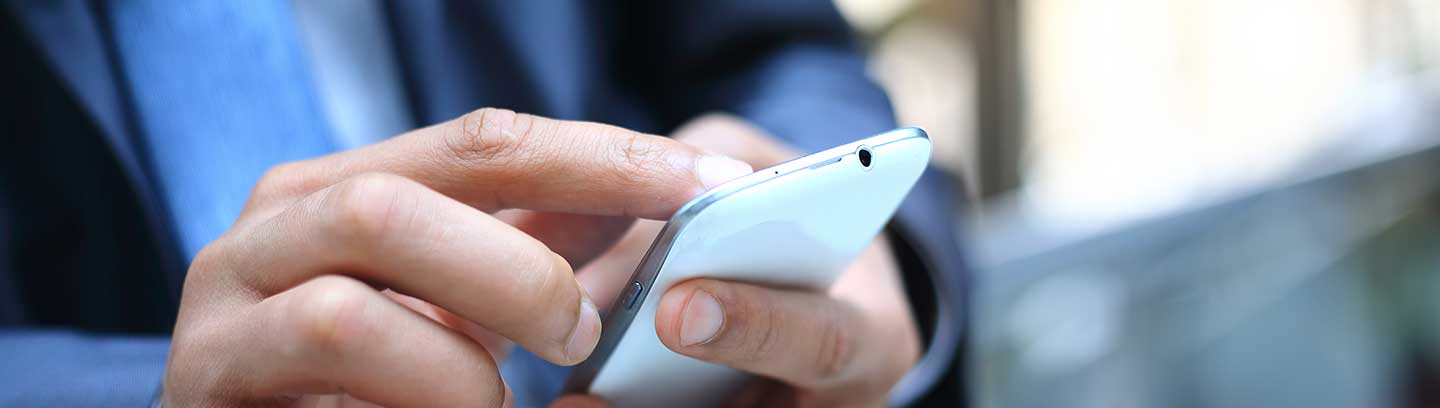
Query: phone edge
584	374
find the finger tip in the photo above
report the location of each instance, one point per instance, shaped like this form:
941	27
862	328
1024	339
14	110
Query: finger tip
585	336
668	313
713	170
701	320
688	316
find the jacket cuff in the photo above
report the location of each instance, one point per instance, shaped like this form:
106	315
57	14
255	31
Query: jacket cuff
923	239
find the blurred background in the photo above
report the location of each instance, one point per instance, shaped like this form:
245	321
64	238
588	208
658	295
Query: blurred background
1210	203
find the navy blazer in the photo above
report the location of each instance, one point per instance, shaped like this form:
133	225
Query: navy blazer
90	272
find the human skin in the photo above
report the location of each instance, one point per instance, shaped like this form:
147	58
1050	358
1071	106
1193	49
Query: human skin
390	275
845	347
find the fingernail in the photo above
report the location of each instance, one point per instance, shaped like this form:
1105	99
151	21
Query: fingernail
509	401
587	330
701	320
714	170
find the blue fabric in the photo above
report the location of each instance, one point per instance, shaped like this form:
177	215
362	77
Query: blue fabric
98	371
221	93
77	254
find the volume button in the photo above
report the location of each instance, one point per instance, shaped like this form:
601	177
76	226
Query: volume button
632	294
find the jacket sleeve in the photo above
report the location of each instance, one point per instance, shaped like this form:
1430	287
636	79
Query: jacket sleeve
61	265
42	365
792	67
65	369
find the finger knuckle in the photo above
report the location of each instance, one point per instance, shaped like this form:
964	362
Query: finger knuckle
218	264
638	159
211	258
277	183
488	135
762	333
331	317
369	208
835	350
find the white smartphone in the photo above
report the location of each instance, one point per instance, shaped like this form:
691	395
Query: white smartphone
797	224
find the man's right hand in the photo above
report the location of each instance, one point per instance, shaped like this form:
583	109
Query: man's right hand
315	288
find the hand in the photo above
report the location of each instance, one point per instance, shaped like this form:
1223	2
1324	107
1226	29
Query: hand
847	347
314	290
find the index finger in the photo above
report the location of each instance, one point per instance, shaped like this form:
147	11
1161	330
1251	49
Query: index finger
494	159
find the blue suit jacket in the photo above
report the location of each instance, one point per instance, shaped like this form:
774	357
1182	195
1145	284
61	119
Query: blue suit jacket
89	271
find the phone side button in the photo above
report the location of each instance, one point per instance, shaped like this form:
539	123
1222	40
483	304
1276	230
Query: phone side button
632	294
